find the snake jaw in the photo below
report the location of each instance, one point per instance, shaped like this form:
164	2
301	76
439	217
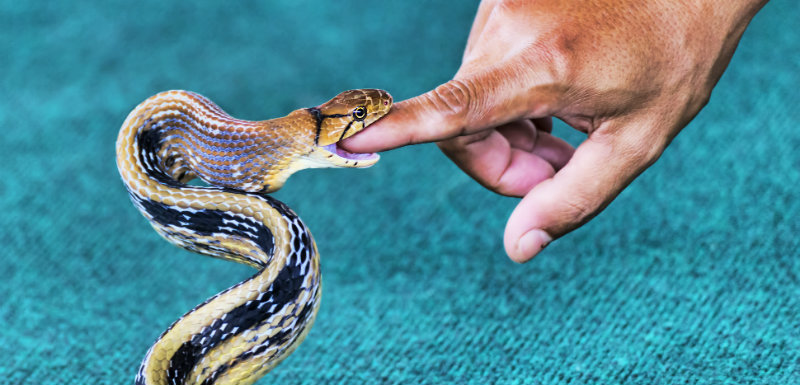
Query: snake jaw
335	156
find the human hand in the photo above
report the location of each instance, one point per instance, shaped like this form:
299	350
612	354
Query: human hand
630	74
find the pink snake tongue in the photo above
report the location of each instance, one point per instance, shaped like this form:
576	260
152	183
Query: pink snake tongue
334	148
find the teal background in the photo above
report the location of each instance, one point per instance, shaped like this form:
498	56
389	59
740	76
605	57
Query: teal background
689	277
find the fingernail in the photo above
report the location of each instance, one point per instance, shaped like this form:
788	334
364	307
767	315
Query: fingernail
531	244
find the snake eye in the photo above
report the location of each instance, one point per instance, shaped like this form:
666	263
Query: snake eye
360	113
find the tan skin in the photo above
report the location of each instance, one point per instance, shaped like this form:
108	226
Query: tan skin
630	74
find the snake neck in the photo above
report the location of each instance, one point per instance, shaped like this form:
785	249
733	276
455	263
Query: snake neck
191	137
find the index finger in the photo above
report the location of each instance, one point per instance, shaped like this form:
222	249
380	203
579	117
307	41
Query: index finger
458	107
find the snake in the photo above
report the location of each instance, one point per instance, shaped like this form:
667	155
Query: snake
202	178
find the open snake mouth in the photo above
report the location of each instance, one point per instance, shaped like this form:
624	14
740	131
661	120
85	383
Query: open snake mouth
333	155
335	149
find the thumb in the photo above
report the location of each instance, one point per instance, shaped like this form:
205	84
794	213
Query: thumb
601	167
461	106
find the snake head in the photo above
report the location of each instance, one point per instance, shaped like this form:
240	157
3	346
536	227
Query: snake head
342	117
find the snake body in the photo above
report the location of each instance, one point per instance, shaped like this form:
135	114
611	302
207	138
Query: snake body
238	335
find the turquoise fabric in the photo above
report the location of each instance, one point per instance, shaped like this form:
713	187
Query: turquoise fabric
689	277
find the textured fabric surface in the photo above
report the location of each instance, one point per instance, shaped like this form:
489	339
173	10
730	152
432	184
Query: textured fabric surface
689	277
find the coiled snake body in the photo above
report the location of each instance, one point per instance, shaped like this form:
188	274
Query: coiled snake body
238	335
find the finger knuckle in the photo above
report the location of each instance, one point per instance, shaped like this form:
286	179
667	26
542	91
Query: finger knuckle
697	103
638	150
646	152
453	99
579	209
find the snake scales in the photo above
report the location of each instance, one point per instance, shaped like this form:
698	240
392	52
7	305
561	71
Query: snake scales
238	335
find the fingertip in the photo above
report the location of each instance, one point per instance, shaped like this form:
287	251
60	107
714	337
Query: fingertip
363	141
405	124
527	246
